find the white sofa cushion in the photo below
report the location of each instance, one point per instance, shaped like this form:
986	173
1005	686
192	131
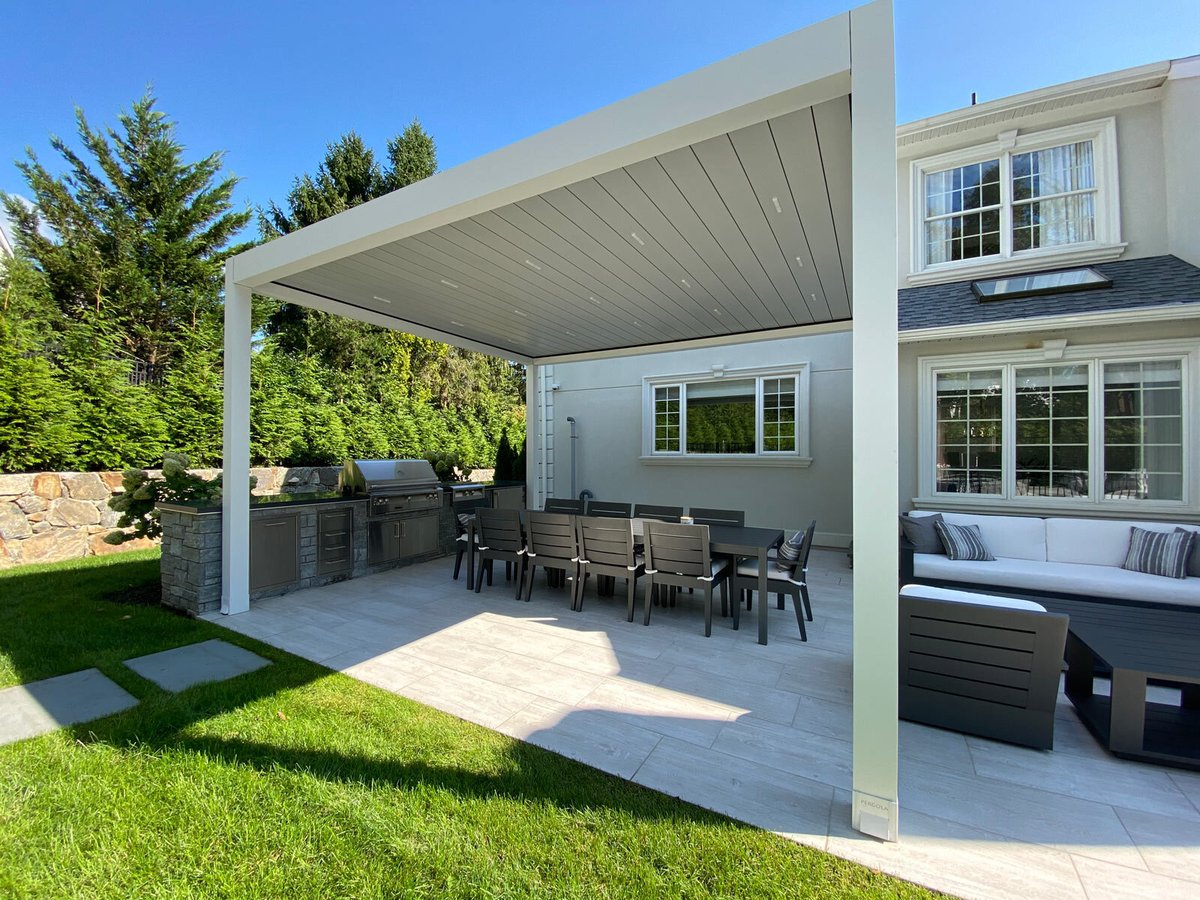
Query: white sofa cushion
1097	542
1018	537
925	592
1081	579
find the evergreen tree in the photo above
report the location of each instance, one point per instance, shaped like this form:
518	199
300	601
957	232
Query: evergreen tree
191	398
137	235
37	416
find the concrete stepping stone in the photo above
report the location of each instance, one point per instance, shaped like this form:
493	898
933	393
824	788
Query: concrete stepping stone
40	707
182	667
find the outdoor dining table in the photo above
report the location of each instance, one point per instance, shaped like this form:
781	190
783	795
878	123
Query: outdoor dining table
730	540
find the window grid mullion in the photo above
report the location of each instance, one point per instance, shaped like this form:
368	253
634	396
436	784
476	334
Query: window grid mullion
1096	430
1008	422
1006	218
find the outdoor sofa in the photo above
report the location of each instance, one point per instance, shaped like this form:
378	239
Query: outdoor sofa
1054	557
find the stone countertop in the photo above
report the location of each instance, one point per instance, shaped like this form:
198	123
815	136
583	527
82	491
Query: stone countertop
270	501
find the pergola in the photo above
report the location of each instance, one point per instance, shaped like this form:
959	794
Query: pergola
752	199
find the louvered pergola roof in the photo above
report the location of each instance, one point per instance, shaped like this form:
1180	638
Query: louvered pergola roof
714	205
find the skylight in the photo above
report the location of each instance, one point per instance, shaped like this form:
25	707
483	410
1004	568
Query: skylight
1040	283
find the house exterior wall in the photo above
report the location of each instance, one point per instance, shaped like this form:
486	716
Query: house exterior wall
605	397
1146	182
911	354
1181	149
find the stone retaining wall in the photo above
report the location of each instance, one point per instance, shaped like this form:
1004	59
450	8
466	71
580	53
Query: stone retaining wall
51	516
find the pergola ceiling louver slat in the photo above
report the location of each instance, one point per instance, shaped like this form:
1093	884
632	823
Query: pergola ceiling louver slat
653	180
756	151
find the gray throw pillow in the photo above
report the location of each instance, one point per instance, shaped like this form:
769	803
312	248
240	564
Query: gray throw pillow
963	542
789	551
921	533
1193	565
1162	553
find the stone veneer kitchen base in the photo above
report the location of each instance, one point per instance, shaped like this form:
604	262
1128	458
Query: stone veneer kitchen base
191	545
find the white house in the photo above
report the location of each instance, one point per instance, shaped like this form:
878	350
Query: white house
1077	392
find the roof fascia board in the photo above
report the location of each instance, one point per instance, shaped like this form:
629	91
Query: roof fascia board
394	323
1158	70
1169	312
721	340
792	72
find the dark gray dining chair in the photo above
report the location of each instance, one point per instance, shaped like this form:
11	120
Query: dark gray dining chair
499	538
550	543
705	516
609	508
563	505
606	549
678	556
464	512
783	577
661	513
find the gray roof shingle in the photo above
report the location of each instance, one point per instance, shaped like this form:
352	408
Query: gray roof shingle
1136	283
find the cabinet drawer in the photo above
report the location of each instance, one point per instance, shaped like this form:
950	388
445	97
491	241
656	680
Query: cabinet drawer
336	520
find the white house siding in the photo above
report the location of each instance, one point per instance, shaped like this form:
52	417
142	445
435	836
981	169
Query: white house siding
605	397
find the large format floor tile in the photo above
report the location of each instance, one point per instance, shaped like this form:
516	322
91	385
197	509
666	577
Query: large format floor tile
762	734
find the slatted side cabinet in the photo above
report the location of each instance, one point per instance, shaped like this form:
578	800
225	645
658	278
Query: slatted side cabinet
335	541
981	670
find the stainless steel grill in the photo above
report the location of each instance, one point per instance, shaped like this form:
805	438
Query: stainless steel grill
404	499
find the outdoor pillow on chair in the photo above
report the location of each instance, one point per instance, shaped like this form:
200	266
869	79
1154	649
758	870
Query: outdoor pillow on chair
1158	552
789	551
921	533
963	541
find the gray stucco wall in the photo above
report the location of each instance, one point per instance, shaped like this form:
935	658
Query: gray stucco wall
605	397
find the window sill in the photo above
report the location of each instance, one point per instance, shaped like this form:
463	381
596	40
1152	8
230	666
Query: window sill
1063	257
795	462
1111	509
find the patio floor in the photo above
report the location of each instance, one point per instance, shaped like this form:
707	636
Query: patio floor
759	733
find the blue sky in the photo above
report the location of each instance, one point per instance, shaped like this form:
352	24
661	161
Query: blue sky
273	82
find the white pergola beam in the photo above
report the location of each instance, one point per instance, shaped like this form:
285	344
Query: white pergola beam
875	805
792	72
235	456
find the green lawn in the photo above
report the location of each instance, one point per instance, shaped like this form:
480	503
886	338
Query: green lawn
297	781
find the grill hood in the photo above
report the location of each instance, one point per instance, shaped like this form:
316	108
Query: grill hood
382	477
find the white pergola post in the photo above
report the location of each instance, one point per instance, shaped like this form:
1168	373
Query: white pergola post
235	503
533	433
875	419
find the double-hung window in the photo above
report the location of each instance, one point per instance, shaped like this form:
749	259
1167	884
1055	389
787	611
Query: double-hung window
758	414
1099	425
995	207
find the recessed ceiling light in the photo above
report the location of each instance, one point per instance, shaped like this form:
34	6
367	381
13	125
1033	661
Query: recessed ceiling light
533	265
571	333
459	324
799	262
634	235
636	322
521	313
449	283
684	282
716	310
778	208
381	299
594	300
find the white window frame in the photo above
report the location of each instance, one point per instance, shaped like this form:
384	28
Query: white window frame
799	457
1094	356
1106	246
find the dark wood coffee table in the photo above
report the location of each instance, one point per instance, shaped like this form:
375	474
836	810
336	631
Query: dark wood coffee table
1139	644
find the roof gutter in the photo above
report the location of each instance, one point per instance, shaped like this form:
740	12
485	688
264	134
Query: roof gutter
1167	312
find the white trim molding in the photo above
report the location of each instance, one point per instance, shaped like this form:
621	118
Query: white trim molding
1094	357
1170	312
800	371
1106	245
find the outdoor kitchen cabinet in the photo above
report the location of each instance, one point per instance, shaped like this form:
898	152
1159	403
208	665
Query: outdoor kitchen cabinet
393	539
274	551
335	541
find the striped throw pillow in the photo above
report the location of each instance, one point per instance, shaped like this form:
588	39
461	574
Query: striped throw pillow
963	541
789	551
1158	552
464	519
1193	566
